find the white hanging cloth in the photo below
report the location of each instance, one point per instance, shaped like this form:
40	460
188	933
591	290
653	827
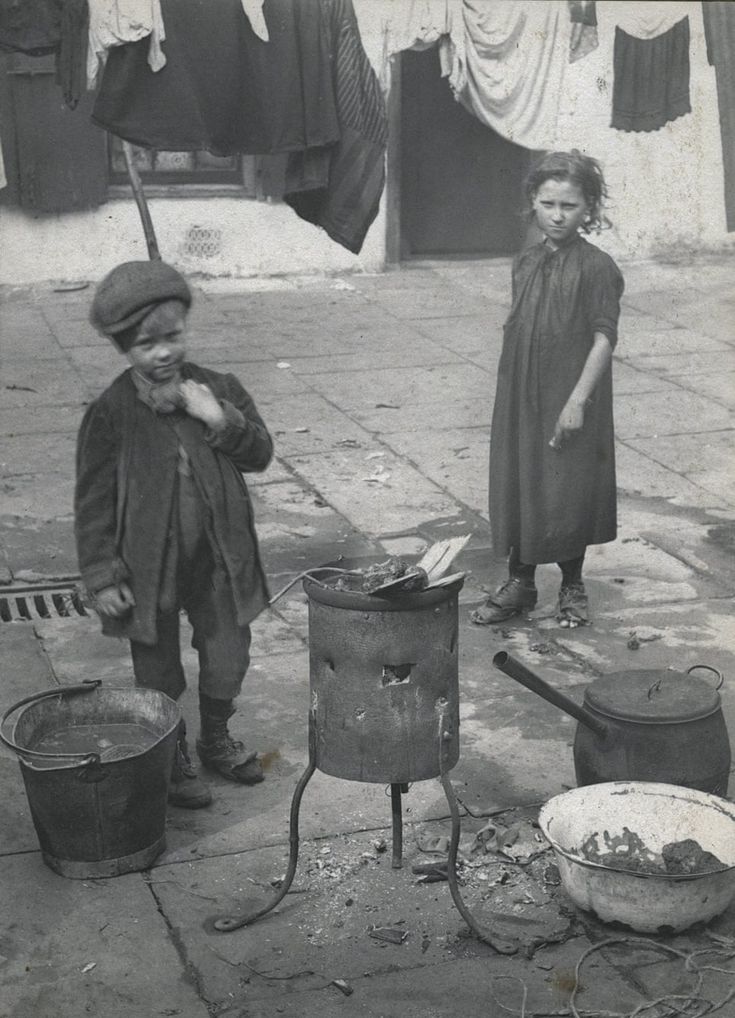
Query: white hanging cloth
115	22
254	13
508	66
647	20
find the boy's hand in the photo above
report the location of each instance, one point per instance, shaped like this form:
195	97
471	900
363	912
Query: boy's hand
200	402
114	601
571	420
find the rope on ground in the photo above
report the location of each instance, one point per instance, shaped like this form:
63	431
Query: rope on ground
691	1005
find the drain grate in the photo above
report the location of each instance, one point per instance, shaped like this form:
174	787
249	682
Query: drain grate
46	601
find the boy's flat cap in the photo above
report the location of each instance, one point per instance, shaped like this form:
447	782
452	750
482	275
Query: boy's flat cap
127	293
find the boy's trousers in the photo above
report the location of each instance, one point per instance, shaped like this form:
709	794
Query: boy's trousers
222	645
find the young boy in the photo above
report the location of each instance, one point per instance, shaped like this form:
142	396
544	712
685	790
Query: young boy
163	518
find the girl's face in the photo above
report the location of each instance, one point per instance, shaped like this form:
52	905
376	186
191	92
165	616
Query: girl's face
560	210
160	345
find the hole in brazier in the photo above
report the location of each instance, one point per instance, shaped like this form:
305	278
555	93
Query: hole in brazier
393	675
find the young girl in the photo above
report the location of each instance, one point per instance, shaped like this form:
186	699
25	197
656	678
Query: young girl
552	453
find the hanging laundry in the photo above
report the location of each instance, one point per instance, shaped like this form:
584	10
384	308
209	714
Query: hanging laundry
646	20
651	78
419	24
339	188
222	89
41	27
30	26
583	15
509	68
115	22
254	13
719	30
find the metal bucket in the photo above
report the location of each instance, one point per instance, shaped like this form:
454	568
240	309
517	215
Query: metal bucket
97	813
384	683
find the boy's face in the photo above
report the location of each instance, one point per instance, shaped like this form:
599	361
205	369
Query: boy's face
160	345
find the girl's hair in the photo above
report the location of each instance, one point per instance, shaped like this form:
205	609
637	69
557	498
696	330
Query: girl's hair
581	170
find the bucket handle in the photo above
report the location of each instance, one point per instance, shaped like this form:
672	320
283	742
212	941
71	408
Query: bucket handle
85	758
709	668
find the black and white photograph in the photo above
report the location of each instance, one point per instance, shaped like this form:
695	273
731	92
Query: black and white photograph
367	517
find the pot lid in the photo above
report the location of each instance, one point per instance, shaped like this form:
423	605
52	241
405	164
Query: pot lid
653	695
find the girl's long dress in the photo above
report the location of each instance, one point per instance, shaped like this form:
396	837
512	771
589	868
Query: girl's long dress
550	504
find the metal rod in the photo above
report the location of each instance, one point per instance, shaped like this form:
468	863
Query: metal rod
397	810
483	933
140	200
226	924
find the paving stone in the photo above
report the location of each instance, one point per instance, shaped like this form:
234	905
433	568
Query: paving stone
100	947
705	459
720	387
641	344
686	365
40	383
399	502
403	387
460	413
636	378
454	458
27	420
671	412
640	471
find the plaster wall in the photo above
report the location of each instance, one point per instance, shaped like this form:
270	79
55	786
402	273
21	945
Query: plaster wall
666	190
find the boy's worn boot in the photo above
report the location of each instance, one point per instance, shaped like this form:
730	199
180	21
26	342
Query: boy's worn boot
186	789
219	751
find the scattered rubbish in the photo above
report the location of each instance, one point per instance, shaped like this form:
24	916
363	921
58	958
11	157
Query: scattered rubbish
437	843
379	477
301	431
618	579
343	986
374	455
541	648
389	934
283	365
319	501
387	406
89	966
380	845
425	944
637	637
20	388
431	872
349	443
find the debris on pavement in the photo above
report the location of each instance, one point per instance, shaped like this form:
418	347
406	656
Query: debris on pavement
389	934
343	986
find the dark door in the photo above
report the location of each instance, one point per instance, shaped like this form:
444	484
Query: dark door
460	181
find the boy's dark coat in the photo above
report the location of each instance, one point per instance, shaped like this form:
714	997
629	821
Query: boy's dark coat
127	461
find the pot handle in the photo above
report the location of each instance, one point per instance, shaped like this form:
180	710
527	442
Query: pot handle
505	663
84	758
709	668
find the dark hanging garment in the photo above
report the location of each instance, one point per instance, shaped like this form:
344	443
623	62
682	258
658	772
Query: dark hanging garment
223	88
339	188
41	27
56	159
651	79
719	29
30	26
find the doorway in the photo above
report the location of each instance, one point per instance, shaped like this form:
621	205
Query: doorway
460	181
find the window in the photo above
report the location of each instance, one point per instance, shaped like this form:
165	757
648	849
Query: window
256	176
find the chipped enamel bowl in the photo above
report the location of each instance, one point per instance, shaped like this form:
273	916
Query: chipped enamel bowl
647	902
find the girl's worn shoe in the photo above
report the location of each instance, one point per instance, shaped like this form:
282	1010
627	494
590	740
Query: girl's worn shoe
227	756
511	598
573	606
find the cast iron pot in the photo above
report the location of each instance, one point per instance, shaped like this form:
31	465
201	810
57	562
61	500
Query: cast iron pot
646	725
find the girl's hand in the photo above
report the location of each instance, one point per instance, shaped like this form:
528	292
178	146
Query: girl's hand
114	601
200	402
571	420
